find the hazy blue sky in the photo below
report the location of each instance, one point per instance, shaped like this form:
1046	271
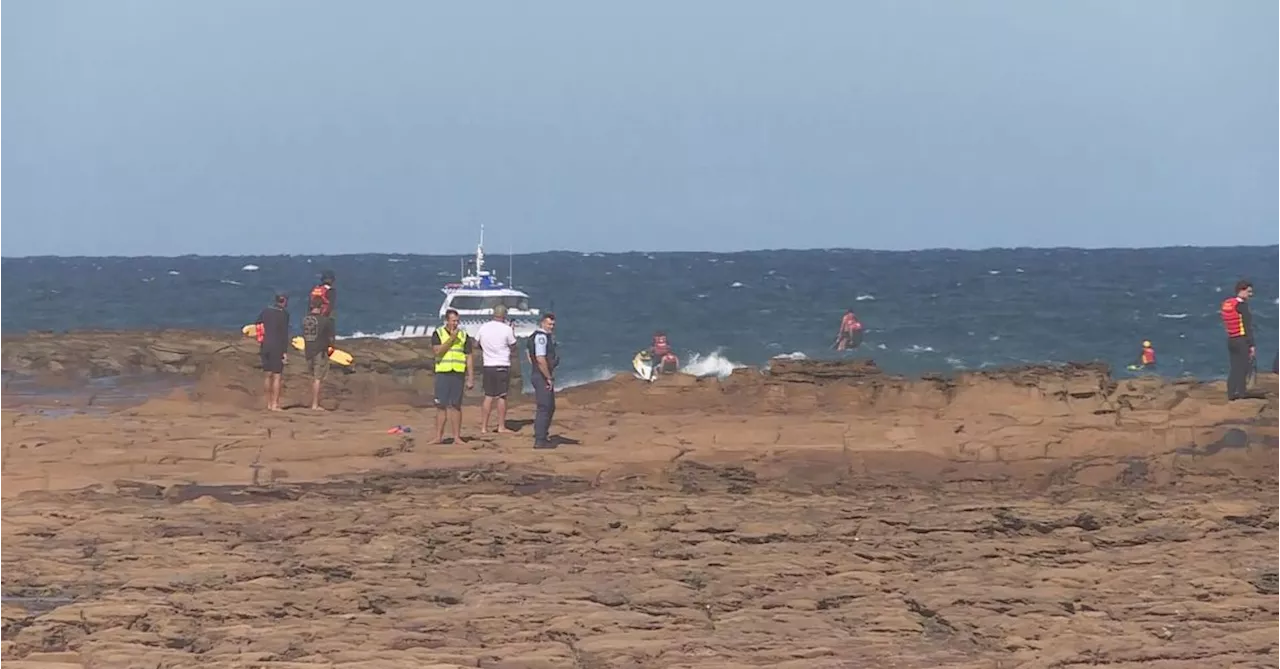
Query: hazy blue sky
237	126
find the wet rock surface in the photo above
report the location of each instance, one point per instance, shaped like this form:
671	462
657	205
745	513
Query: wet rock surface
418	570
803	517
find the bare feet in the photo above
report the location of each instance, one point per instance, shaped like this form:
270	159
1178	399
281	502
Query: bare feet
503	430
318	408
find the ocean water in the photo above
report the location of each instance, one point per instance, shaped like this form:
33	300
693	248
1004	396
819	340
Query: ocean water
926	311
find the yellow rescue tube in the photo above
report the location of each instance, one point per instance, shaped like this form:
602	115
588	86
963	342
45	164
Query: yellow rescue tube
338	356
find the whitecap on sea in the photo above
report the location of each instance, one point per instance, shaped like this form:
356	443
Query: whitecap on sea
864	298
1172	315
712	364
249	268
174	272
736	284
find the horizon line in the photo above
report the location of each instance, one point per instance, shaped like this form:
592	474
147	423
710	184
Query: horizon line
828	249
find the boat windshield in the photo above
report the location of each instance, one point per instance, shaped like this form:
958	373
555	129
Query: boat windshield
478	302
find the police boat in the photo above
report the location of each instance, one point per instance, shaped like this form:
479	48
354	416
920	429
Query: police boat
474	298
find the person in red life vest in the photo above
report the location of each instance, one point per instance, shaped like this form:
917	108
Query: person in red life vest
664	359
324	291
1241	353
850	333
1147	359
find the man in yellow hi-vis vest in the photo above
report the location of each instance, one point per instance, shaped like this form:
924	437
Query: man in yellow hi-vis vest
453	350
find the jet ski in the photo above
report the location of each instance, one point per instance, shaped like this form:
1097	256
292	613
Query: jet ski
644	365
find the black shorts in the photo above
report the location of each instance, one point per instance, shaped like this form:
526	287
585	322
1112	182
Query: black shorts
496	381
272	361
449	389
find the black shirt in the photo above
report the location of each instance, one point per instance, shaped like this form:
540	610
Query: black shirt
317	332
275	329
1246	320
466	346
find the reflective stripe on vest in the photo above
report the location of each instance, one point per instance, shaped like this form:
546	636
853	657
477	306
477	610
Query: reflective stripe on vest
455	358
1231	319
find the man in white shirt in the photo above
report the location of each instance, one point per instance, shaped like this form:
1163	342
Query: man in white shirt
496	339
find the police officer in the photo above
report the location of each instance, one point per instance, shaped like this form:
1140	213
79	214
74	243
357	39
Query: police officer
543	359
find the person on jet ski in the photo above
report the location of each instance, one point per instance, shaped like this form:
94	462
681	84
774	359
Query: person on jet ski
664	359
850	334
1147	358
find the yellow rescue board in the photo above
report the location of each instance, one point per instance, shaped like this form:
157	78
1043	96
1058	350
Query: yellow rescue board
338	356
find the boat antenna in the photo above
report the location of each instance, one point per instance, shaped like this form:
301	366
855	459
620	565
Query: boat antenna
511	265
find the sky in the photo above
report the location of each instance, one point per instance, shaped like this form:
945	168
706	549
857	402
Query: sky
327	126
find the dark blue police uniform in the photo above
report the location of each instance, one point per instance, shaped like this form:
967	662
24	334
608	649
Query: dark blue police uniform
543	344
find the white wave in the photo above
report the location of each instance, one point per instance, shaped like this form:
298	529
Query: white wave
736	284
993	271
358	334
1019	270
1172	315
794	355
594	376
397	259
882	347
230	282
865	297
249	268
916	348
174	272
711	364
955	362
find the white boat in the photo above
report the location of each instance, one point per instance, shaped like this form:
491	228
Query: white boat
474	298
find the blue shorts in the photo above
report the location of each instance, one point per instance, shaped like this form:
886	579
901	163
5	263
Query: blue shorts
449	389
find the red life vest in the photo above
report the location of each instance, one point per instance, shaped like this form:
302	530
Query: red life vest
1148	356
660	346
321	292
1231	319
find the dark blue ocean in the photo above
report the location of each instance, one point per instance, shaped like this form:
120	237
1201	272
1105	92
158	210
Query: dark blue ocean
925	311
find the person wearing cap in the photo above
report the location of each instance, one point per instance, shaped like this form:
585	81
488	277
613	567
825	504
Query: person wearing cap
273	339
496	339
1147	358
